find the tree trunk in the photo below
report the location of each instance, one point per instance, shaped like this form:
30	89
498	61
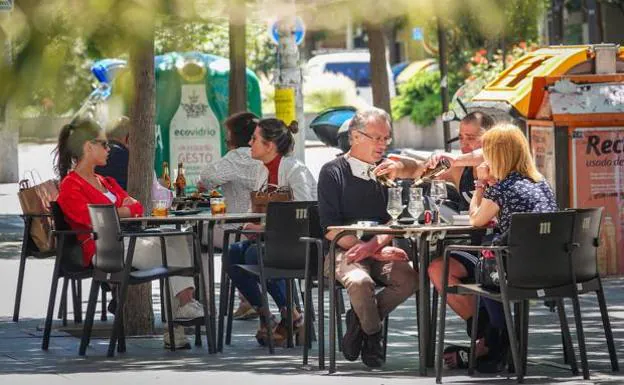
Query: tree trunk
139	317
379	65
238	80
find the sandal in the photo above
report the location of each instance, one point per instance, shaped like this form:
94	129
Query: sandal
456	357
282	331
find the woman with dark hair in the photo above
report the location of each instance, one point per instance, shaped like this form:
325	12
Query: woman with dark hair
272	143
81	147
236	174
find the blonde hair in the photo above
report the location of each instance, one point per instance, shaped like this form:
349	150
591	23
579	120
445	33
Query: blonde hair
507	149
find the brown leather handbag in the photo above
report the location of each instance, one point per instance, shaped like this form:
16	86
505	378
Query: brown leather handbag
35	200
269	193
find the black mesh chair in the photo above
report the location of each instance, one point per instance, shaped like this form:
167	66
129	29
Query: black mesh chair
586	235
535	239
68	265
112	265
280	253
29	249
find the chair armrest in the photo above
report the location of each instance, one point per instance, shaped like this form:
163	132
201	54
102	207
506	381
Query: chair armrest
45	215
155	234
473	248
71	232
310	240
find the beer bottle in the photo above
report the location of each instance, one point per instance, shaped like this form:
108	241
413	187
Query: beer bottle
432	173
166	179
180	182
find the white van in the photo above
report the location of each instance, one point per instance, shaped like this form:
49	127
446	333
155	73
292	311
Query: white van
354	65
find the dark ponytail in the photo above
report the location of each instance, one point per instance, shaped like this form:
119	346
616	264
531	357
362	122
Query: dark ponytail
70	142
276	131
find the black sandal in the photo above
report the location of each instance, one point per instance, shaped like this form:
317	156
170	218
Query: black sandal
460	355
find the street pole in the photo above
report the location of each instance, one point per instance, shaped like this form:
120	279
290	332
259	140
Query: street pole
289	77
592	22
444	93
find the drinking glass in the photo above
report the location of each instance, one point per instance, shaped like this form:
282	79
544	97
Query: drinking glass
160	208
439	194
217	206
416	205
395	203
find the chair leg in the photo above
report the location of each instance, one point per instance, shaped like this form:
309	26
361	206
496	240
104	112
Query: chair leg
321	322
385	336
568	348
76	301
307	315
442	320
122	291
197	326
434	316
580	334
168	307
211	342
121	341
88	324
63	306
513	342
607	328
473	336
289	310
20	274
103	316
163	317
524	334
230	313
50	313
339	311
223	302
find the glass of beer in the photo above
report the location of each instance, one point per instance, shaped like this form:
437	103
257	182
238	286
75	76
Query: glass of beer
217	206
160	208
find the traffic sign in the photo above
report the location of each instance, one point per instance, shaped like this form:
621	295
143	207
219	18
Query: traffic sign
417	34
6	5
299	31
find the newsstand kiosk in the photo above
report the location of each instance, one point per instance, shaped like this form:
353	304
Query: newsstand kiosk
574	119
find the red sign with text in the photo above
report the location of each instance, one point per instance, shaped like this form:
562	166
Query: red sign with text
598	181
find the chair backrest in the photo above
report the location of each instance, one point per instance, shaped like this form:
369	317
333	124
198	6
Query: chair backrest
70	250
286	222
586	234
109	247
539	249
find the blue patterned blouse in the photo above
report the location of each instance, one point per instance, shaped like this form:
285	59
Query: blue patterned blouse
519	194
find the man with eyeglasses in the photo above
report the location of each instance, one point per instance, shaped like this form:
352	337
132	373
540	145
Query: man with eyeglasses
119	155
347	194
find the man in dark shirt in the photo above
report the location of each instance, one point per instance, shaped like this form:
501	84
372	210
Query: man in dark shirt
117	165
347	194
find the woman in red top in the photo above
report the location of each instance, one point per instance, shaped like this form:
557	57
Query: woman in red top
81	147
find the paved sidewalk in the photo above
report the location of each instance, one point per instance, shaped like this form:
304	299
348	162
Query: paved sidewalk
23	362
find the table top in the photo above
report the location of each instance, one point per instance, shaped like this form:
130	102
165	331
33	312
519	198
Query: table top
206	217
404	229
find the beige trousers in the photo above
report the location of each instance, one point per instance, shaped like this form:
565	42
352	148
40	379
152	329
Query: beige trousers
359	278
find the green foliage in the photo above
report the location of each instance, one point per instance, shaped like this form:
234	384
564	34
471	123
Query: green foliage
213	37
419	98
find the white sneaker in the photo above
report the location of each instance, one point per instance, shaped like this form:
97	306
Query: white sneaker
180	340
189	311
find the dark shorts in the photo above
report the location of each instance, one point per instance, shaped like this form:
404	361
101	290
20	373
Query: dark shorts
469	261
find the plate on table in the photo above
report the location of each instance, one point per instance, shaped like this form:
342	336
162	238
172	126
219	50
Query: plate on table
185	212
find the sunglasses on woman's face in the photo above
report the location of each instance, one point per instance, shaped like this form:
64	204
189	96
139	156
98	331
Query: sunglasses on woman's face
101	142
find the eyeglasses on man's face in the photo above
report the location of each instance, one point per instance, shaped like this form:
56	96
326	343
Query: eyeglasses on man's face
381	140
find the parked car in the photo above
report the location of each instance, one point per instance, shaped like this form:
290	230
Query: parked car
352	64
